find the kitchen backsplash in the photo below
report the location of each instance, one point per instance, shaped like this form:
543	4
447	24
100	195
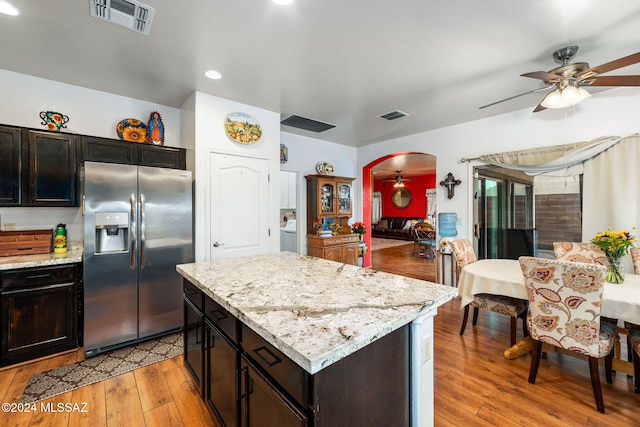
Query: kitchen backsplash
45	218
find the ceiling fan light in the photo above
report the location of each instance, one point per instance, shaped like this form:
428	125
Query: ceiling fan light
552	100
570	96
398	185
583	94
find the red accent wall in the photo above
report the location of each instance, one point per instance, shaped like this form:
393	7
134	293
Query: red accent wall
417	186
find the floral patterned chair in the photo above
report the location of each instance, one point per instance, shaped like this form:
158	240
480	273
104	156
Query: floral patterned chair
580	252
564	311
633	339
464	254
635	257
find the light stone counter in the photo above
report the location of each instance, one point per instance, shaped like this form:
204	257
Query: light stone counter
313	310
73	255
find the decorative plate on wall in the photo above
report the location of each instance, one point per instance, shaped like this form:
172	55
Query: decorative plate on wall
132	130
242	128
324	168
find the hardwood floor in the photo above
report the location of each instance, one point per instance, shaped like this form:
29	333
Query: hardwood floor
474	384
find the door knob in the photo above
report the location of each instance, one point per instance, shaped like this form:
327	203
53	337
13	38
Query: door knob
216	244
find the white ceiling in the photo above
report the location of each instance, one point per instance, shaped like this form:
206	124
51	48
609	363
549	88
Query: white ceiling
338	61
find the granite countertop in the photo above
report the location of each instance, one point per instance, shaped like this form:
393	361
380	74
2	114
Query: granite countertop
313	310
73	255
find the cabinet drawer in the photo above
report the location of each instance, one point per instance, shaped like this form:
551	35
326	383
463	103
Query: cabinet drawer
220	317
193	294
285	372
28	277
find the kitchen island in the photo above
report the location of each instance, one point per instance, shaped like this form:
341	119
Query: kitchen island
310	341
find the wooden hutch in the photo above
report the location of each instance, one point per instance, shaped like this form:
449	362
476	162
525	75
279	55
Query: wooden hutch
329	199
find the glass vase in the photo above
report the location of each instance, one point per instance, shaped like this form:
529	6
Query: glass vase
615	271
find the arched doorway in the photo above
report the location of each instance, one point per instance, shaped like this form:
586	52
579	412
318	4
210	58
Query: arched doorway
411	166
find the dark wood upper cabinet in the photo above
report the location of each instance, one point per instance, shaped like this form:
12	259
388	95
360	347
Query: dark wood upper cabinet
114	151
108	150
10	166
40	168
162	157
53	177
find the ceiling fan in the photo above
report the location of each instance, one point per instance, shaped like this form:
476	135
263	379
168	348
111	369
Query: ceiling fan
567	81
398	180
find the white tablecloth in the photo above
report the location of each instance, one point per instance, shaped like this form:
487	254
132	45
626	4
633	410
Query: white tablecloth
504	277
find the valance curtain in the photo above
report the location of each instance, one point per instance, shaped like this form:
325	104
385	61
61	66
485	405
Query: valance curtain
611	191
376	207
558	160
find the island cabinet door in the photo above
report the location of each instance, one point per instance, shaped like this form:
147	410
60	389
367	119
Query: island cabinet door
222	377
194	343
262	404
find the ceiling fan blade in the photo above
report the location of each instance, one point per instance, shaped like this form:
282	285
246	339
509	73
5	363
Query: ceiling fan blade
616	81
539	107
519	95
544	76
614	65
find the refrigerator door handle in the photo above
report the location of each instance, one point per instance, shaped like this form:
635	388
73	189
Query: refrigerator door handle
143	227
134	232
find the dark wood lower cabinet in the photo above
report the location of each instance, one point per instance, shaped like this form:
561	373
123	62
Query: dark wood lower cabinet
222	376
263	405
39	312
247	382
194	343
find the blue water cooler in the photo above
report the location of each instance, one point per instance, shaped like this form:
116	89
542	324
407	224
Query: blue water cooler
447	229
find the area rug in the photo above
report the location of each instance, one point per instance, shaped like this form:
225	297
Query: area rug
379	243
101	367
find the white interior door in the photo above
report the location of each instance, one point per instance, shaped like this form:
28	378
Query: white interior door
239	206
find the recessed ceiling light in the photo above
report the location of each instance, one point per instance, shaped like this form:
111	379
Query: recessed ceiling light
213	74
283	2
8	9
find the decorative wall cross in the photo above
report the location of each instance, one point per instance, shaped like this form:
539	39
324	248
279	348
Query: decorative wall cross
450	183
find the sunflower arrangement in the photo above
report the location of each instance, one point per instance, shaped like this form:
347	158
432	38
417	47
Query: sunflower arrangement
614	244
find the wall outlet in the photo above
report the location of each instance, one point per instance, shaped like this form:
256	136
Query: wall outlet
9	226
426	349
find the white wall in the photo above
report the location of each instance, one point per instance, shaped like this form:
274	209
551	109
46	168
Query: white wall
204	120
611	112
90	112
304	154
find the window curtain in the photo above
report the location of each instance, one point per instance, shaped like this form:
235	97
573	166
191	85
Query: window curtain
431	205
558	160
376	207
611	188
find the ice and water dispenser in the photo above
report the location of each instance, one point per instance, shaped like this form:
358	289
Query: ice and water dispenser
112	232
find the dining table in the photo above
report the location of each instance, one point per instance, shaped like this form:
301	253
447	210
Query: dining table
504	277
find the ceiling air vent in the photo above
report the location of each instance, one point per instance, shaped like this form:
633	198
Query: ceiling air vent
392	115
131	14
306	124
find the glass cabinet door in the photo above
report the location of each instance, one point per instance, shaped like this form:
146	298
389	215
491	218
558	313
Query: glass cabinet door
327	197
344	198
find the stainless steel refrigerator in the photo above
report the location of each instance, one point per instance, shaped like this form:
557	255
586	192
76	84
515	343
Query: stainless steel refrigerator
137	227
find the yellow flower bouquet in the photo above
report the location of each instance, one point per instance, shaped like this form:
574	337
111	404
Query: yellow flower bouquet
615	245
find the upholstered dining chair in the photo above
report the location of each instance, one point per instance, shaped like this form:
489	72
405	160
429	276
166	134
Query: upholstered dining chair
579	252
564	311
464	254
633	343
635	257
